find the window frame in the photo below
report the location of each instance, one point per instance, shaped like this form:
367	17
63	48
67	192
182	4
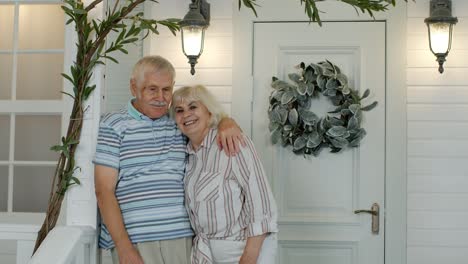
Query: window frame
13	107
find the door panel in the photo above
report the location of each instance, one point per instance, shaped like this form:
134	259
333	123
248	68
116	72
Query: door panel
317	196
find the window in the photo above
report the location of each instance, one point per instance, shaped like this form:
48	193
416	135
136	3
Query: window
31	106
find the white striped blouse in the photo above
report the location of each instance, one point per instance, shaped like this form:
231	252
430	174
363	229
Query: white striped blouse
227	198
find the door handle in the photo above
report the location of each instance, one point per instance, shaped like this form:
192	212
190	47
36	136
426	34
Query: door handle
375	212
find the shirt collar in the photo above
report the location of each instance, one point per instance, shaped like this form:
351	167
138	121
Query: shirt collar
133	112
207	141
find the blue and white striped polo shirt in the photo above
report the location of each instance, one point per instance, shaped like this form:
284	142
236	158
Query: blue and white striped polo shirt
150	157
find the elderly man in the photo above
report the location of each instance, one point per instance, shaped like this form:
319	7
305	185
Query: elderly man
139	170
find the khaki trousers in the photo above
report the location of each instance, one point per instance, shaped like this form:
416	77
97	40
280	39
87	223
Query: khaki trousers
175	251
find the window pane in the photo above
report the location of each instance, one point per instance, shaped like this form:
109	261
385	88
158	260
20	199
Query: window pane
7	14
34	137
3	188
41	27
31	188
4	137
6	66
37	80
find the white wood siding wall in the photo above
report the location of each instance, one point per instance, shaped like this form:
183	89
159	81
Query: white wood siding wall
117	79
214	68
437	143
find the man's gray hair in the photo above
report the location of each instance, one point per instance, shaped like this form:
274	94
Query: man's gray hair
151	63
199	93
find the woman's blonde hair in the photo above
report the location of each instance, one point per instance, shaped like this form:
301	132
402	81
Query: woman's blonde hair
201	94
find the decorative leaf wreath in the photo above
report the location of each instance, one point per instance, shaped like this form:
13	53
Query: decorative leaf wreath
292	122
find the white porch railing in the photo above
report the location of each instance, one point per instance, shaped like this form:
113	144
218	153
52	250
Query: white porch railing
63	245
68	245
25	237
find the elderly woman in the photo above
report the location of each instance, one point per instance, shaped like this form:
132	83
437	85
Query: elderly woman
229	201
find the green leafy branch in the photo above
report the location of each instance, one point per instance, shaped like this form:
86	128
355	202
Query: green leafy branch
312	11
92	50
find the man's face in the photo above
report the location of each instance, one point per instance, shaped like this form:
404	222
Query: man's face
154	94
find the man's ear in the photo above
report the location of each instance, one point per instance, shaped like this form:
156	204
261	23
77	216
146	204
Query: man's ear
133	87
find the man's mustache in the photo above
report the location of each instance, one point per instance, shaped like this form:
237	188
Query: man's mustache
158	103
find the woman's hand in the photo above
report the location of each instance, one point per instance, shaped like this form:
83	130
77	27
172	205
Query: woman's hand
229	136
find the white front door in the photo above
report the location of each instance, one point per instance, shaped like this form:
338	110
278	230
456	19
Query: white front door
317	196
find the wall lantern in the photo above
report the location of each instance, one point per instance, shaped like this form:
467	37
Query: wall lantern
440	25
193	30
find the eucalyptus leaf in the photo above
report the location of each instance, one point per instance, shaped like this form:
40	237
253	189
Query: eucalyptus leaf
328	72
342	79
283	114
309	74
337	131
358	115
365	94
287	97
339	142
369	107
353	123
295	77
362	132
356	142
314	138
293	117
336	121
334	149
354	108
329	92
326	65
273	126
310	89
275	136
346	112
273	116
345	90
336	69
300	143
309	117
337	110
280	85
321	82
277	96
317	69
302	88
287	128
324	124
332	84
305	105
336	100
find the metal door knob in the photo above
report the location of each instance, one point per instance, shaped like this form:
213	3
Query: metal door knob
375	212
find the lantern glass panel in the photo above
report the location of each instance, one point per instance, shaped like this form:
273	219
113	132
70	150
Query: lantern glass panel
192	37
439	37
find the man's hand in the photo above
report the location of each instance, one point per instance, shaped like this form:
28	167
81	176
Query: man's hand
105	180
129	255
252	249
229	136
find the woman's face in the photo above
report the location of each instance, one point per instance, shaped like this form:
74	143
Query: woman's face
192	118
